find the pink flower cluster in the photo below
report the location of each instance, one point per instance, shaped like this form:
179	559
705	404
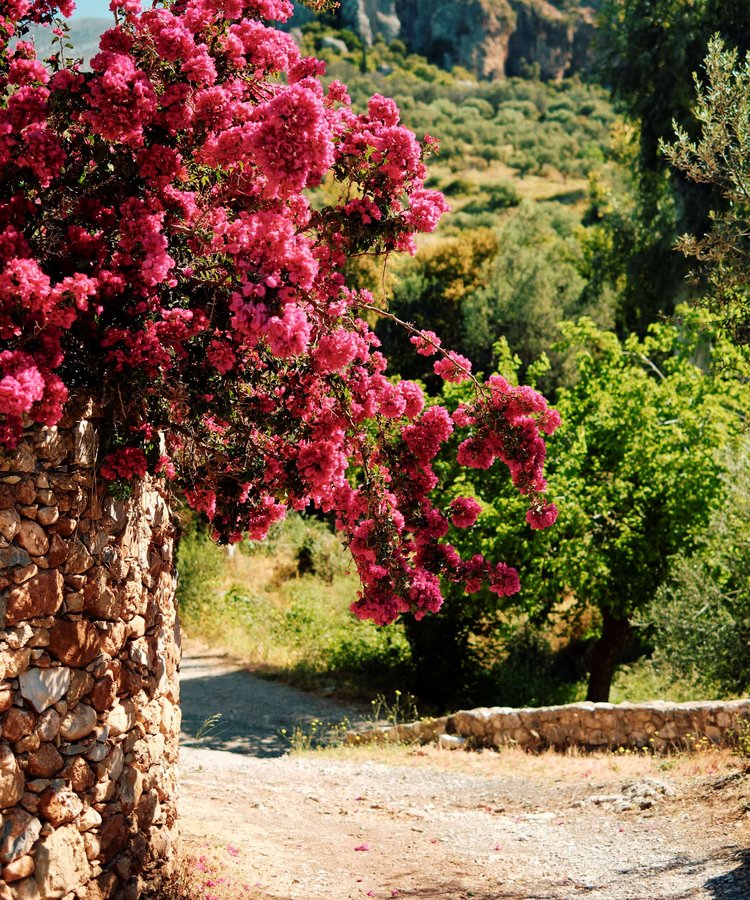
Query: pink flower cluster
157	250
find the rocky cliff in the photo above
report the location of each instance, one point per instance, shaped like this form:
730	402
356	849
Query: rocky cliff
491	38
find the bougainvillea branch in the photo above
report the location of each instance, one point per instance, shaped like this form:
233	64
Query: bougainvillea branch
157	248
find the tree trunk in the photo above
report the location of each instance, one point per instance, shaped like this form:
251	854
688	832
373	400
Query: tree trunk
89	716
605	656
439	658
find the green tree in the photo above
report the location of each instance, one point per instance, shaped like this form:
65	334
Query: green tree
636	471
646	48
720	156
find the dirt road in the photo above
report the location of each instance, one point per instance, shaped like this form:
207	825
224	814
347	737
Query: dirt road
426	823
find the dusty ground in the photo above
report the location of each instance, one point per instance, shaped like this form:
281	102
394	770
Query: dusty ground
426	823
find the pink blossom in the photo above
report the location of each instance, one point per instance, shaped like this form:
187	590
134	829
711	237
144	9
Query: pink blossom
464	512
130	462
542	516
426	342
453	367
336	350
425	210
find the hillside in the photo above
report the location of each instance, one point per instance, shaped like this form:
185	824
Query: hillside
490	38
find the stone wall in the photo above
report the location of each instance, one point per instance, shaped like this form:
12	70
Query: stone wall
88	675
657	725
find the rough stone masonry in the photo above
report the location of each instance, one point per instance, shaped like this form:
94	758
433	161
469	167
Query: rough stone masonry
89	715
657	726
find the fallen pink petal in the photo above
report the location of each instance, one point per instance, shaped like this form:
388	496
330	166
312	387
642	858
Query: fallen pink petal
362	847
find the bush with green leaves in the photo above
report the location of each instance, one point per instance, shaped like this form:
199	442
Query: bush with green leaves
701	615
532	284
200	568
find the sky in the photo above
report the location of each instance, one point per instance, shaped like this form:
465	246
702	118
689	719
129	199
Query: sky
96	8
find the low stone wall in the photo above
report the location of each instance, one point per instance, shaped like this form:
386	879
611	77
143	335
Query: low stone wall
657	725
88	675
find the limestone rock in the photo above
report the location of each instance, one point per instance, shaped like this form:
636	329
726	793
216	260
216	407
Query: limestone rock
58	551
104	692
47	515
18	869
114	836
18	835
45	762
27	889
66	526
17	724
81	683
85	444
11	778
28	744
79	774
130	789
99	599
11	664
61	863
121	718
13	556
78	722
22	573
48	725
113	764
59	805
74	643
10	523
491	38
39	596
33	538
112	636
371	18
90	818
44	687
93	845
79	559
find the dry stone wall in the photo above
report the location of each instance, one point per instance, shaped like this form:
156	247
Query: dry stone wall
657	725
89	713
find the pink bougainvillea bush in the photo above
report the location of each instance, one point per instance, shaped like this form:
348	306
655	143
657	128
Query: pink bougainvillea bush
157	248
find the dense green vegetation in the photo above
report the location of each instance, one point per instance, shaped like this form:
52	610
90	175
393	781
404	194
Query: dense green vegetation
558	268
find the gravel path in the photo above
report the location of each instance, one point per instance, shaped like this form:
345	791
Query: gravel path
252	711
442	824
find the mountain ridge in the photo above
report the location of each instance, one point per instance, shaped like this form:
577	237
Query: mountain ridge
491	38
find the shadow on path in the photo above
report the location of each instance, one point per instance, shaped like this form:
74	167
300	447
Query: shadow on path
734	885
251	710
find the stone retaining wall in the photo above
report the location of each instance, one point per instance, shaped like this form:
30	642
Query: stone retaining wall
88	675
658	725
